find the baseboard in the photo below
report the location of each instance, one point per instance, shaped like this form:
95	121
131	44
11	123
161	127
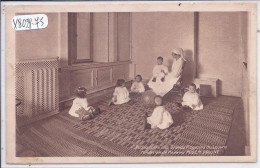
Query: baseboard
231	93
40	117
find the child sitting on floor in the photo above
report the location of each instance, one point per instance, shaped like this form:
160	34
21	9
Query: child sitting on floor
80	107
160	117
191	99
138	86
121	94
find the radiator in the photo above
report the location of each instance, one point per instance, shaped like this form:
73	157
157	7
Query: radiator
37	89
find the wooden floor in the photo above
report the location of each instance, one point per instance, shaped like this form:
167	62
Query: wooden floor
119	131
237	138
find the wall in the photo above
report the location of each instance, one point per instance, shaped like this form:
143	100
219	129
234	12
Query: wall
123	37
219	50
39	44
153	34
100	37
245	84
157	34
112	37
83	36
52	42
104	72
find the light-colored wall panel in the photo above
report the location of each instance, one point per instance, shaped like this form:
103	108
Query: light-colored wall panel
112	36
123	36
157	34
100	37
83	36
219	51
39	44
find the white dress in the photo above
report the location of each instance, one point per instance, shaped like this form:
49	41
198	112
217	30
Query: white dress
160	118
122	95
137	87
159	72
192	100
161	88
77	104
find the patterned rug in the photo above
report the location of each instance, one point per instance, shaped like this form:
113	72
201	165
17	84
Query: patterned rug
118	131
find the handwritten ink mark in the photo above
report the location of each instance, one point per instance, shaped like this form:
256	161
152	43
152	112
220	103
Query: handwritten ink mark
29	22
19	23
38	21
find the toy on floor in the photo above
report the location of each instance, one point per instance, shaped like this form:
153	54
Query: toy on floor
148	99
87	114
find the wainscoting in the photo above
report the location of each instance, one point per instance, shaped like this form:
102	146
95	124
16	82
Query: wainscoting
95	77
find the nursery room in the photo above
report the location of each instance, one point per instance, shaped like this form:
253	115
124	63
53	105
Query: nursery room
133	84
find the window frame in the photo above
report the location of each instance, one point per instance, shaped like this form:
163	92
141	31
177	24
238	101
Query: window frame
72	39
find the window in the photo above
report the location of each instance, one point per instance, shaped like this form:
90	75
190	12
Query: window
98	37
80	37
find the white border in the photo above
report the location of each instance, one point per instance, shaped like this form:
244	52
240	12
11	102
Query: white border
184	165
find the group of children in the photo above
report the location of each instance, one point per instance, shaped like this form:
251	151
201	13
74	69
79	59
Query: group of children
160	117
121	94
80	107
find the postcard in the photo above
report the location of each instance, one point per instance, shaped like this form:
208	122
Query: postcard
130	82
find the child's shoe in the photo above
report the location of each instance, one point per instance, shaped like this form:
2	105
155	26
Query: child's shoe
86	117
97	111
186	108
147	126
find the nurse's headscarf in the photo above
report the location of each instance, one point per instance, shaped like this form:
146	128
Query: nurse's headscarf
179	51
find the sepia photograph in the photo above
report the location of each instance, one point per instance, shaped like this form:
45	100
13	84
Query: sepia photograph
130	85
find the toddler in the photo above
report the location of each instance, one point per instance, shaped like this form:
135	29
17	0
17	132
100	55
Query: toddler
121	94
191	99
80	107
138	86
160	117
159	70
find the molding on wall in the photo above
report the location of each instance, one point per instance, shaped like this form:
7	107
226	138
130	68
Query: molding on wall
93	65
231	93
36	60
